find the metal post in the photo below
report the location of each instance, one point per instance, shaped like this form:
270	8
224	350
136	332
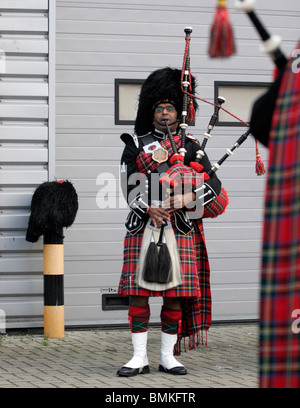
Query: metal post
53	255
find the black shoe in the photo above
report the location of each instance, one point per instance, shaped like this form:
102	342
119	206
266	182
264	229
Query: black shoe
131	372
180	370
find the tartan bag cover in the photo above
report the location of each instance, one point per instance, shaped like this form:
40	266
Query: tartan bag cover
280	278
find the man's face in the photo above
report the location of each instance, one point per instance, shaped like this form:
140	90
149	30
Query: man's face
165	112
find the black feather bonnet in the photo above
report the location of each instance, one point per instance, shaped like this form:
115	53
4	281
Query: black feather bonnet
162	85
54	205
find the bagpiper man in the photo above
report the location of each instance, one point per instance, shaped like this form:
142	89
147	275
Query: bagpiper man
186	309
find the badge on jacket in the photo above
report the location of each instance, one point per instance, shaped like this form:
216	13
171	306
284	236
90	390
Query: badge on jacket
159	154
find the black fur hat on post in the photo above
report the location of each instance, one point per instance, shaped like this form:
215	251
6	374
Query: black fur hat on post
54	205
162	85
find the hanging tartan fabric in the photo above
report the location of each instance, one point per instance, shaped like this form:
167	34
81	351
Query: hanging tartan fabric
280	280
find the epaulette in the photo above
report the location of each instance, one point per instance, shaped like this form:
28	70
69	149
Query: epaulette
126	137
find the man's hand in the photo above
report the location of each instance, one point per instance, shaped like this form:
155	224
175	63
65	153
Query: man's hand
158	215
179	201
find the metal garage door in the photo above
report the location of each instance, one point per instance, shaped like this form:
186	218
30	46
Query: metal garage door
26	153
97	43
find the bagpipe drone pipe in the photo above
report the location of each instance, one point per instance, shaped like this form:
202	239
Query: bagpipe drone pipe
271	43
264	106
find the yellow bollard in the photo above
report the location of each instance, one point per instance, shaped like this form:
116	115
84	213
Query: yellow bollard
54	205
53	254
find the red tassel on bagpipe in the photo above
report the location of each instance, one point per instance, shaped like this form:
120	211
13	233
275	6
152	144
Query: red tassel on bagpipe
259	167
196	166
176	158
199	169
222	42
191	112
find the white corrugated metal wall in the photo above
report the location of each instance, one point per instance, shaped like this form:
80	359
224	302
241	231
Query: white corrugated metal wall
99	41
26	153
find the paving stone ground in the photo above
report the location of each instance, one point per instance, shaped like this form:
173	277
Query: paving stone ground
90	358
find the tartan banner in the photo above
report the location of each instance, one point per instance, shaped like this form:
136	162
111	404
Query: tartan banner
280	278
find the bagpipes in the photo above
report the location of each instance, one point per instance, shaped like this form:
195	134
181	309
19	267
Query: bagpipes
271	43
222	45
159	261
178	168
176	174
219	40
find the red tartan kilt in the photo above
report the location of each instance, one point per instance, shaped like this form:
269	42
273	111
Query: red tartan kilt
193	257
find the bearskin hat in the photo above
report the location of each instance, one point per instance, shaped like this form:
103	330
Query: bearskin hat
54	205
162	85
